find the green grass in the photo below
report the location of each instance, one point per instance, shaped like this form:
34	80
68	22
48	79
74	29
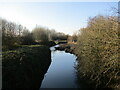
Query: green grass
25	67
57	41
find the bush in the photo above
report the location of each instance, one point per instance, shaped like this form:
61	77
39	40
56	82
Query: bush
40	34
97	50
27	38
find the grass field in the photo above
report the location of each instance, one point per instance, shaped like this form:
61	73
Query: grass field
25	67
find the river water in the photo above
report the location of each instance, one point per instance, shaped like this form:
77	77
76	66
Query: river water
61	73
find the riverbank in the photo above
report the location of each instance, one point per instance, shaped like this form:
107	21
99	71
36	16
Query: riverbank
25	67
68	47
85	80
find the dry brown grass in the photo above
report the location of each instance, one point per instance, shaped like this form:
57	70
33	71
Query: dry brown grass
97	50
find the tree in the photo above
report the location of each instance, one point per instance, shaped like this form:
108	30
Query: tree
40	34
27	37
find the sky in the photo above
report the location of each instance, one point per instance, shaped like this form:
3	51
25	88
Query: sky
66	17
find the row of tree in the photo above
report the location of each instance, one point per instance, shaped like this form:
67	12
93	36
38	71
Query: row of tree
44	34
15	34
11	33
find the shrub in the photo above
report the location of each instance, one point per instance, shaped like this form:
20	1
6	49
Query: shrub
97	50
27	38
40	34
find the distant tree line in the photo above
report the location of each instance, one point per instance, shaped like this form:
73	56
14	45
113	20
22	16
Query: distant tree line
15	34
11	33
45	34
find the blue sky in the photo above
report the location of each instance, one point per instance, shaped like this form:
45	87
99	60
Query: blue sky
66	17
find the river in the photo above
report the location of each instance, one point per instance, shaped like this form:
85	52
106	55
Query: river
61	73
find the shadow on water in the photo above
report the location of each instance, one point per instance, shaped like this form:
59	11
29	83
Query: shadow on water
62	72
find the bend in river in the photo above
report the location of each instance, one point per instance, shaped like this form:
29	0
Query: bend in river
61	73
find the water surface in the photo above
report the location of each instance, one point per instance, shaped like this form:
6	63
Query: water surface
61	73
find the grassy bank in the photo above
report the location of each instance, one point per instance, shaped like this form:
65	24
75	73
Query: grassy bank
25	67
67	47
98	53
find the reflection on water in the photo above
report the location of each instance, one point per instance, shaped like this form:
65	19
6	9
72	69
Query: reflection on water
61	73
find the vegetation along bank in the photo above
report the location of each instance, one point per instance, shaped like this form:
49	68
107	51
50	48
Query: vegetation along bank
96	47
98	54
24	68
